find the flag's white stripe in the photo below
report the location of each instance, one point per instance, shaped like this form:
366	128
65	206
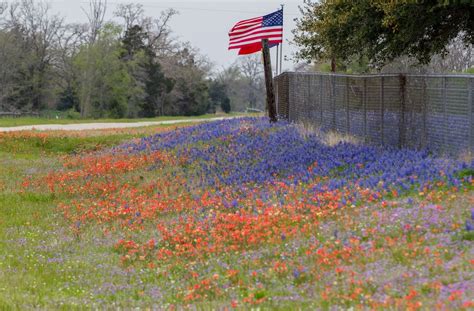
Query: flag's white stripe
242	44
250	33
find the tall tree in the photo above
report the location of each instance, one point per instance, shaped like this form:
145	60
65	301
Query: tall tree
96	19
218	96
110	85
37	30
10	61
382	30
190	72
155	84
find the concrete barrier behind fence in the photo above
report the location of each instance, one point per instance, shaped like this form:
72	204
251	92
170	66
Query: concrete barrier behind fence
413	111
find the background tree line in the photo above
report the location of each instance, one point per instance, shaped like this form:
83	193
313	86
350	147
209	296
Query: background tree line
131	66
372	36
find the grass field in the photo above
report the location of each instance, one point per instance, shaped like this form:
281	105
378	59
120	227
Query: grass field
230	214
10	122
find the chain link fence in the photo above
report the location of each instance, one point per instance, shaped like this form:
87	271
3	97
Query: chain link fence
412	111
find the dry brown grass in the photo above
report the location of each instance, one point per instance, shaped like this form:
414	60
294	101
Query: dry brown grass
328	138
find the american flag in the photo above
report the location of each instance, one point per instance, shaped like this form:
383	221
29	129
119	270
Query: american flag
247	35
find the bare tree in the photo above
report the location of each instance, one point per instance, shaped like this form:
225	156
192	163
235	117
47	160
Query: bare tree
96	17
459	57
3	8
131	13
251	68
37	28
69	41
159	33
9	58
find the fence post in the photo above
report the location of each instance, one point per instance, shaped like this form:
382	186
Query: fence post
401	129
291	99
364	104
321	99
333	101
470	103
424	138
311	108
348	122
445	115
382	108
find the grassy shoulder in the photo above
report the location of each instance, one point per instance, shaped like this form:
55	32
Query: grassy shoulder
22	121
42	263
34	145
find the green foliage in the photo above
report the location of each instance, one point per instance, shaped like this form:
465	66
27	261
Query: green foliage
468	236
465	173
146	72
381	30
106	85
218	95
225	105
35	146
190	95
193	97
73	114
68	99
156	86
470	70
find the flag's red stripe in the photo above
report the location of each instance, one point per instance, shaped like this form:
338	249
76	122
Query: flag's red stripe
253	47
240	45
249	49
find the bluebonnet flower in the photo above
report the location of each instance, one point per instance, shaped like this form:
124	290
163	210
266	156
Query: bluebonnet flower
296	273
469	226
250	150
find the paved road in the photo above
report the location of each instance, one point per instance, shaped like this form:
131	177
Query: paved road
99	126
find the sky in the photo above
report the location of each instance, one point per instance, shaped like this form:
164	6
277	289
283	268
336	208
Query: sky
205	24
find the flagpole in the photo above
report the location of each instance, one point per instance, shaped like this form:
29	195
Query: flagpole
281	45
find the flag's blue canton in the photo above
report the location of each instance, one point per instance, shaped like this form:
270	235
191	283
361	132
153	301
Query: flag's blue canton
273	19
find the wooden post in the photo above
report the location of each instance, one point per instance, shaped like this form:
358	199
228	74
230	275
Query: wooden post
269	81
